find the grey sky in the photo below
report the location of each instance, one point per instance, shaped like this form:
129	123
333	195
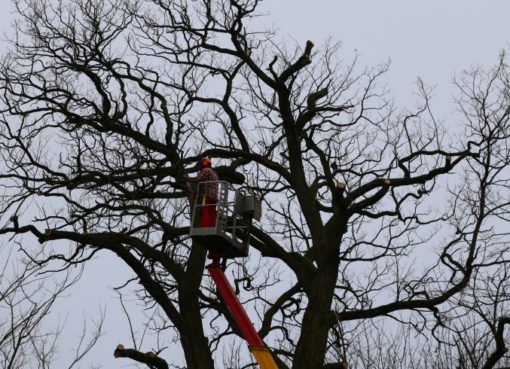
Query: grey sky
432	39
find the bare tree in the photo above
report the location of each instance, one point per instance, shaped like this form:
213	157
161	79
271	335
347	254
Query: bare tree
28	293
23	307
373	215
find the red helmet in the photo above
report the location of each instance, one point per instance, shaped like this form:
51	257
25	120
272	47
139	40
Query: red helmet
206	161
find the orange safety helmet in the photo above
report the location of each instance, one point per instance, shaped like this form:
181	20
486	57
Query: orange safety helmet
206	161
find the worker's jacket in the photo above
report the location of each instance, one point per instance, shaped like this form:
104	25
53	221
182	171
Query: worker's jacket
210	187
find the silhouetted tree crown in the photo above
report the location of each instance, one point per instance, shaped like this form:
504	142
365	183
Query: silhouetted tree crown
384	241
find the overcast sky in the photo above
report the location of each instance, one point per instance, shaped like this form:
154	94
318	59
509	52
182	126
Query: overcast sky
432	39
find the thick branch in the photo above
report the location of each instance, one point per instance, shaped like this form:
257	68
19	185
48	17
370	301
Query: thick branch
501	348
149	358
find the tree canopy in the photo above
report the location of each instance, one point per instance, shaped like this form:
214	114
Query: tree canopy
384	241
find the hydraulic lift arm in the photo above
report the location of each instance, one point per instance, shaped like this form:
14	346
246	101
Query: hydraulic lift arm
255	343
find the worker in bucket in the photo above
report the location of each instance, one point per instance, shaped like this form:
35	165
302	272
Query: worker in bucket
207	180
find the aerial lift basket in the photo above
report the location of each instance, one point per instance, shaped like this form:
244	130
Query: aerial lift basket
234	214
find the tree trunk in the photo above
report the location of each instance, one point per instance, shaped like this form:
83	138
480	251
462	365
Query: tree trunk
194	343
312	344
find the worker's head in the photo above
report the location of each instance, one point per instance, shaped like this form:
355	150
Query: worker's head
205	162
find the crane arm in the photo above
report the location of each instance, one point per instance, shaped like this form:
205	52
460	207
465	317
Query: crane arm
255	343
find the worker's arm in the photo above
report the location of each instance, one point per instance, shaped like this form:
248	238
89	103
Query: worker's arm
199	178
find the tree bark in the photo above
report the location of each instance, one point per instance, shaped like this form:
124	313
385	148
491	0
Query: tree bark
193	339
312	344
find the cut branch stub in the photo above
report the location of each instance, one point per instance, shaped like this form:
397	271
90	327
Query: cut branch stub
302	62
311	101
149	358
308	50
